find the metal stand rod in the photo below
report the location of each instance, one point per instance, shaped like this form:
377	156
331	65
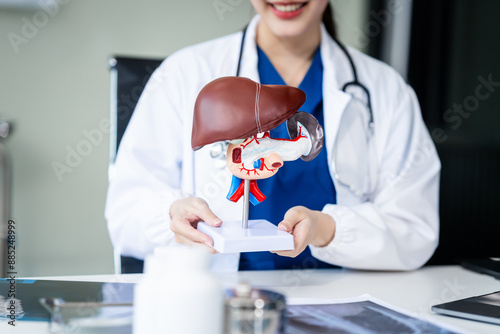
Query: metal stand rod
246	202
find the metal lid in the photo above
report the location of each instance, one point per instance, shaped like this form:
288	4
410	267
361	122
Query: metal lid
245	298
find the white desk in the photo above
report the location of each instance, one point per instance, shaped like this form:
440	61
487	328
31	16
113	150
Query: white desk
413	291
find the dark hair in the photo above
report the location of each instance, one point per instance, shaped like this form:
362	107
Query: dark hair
329	21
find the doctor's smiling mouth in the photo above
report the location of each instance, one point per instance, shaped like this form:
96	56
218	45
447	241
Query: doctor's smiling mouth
287	10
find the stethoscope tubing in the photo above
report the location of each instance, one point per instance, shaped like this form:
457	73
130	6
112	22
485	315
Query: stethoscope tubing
354	82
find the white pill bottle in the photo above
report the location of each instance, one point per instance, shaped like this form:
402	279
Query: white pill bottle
178	294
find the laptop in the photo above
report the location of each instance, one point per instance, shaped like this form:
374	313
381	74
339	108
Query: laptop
484	308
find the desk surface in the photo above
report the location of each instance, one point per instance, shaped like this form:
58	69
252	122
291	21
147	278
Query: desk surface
414	291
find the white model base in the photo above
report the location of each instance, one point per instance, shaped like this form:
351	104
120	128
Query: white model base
260	236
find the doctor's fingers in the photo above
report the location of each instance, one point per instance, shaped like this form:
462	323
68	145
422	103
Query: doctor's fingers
184	228
194	209
184	241
299	242
196	238
297	221
292	217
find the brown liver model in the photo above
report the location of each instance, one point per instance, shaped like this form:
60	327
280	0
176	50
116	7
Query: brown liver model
237	108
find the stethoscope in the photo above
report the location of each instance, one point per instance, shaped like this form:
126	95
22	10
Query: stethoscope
352	181
354	83
343	175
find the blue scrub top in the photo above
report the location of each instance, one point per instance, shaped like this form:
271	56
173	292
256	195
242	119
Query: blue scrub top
296	183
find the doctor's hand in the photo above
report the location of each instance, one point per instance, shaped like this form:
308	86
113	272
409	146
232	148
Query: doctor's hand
308	227
185	215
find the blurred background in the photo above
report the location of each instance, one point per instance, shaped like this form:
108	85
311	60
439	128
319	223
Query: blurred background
55	94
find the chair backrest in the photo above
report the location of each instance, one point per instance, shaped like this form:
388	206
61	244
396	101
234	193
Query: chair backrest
128	79
129	76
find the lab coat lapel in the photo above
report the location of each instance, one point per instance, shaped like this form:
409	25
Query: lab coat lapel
249	59
334	99
334	104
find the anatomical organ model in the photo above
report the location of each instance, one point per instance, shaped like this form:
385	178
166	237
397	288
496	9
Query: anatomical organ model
242	112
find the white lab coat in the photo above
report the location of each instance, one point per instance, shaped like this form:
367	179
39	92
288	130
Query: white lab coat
397	229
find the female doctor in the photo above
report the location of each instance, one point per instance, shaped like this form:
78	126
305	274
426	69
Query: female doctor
368	201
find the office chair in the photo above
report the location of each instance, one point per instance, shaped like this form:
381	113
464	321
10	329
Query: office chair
128	79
